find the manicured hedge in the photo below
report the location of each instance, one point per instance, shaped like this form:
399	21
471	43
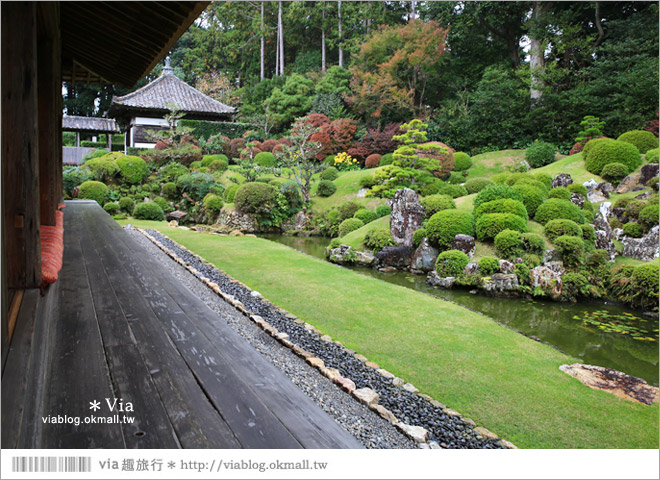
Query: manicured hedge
326	188
349	225
112	208
503	205
148	211
367	216
488	266
330	173
540	153
648	216
611	151
132	169
560	192
462	161
92	190
561	226
127	204
265	159
451	263
642	139
614	172
475	185
435	203
633	229
255	197
571	249
652	155
443	226
213	203
532	197
554	208
490	224
453	191
509	243
378	238
496	192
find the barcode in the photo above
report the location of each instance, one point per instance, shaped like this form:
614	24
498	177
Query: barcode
51	464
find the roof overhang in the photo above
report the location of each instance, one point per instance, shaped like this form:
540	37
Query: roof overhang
120	42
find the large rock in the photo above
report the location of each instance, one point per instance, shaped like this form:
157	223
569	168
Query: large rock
578	199
399	257
407	215
628	183
232	220
464	243
649	171
424	257
471	268
598	192
605	210
603	230
501	283
557	266
436	280
551	256
645	248
506	266
345	255
299	221
547	280
562	180
175	215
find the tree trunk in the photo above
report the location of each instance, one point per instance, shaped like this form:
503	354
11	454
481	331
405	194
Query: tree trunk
413	13
281	34
536	52
323	40
341	51
263	50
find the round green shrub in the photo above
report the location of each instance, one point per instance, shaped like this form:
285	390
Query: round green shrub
383	211
326	188
622	202
348	209
93	190
598	258
554	208
496	192
561	226
265	159
612	151
329	160
218	166
544	178
577	188
367	216
588	235
652	155
145	188
103	168
508	243
642	139
163	204
386	159
169	189
634	207
453	191
230	193
72	177
653	183
435	203
490	224
172	171
132	169
644	282
540	153
431	188
488	266
571	249
213	203
521	270
475	185
615	223
451	263
378	238
330	173
591	144
560	192
418	236
455	178
633	229
196	185
112	208
367	181
648	216
196	165
532	260
335	243
573	284
614	172
207	160
462	161
528	180
126	204
503	205
148	211
532	197
255	198
533	243
501	178
443	226
349	225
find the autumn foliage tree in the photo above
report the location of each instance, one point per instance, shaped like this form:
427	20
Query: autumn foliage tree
393	69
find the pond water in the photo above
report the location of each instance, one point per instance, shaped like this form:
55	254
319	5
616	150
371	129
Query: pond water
586	331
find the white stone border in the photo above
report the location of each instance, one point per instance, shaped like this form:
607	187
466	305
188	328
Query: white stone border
364	395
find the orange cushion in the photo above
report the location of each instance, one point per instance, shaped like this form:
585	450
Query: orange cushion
52	250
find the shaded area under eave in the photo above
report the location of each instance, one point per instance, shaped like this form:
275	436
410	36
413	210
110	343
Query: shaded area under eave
117	323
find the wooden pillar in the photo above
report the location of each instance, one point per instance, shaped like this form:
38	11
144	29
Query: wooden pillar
109	138
78	139
49	81
20	145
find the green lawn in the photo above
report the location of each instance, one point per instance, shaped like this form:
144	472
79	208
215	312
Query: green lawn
356	237
488	164
348	185
573	165
503	380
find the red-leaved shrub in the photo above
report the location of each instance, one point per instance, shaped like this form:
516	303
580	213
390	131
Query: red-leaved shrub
373	160
268	145
235	147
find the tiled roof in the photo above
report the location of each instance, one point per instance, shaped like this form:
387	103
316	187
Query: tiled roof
90	124
169	89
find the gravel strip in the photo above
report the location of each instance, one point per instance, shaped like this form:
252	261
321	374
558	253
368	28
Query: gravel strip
446	427
365	425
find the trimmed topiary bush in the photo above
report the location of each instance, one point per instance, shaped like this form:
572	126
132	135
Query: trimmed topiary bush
591	144
93	190
490	224
509	243
614	172
503	205
652	156
571	249
349	225
112	208
561	226
501	178
588	235
330	173
329	160
169	189
348	209
634	207
431	188
378	238
648	216
367	182
326	188
577	188
196	165
435	203
611	151
418	236
598	258
72	177
532	260
560	192
132	169
642	139
383	211
451	263
475	185
532	197
533	243
197	185
126	204
644	284
372	161
443	226
213	203
255	198
462	161
218	166
148	211
554	208
172	171
207	160
367	216
540	153
230	193
633	229
453	191
488	266
496	192
386	159
455	178
544	178
265	159
163	204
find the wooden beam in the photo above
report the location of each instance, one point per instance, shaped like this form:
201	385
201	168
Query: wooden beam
13	311
20	145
